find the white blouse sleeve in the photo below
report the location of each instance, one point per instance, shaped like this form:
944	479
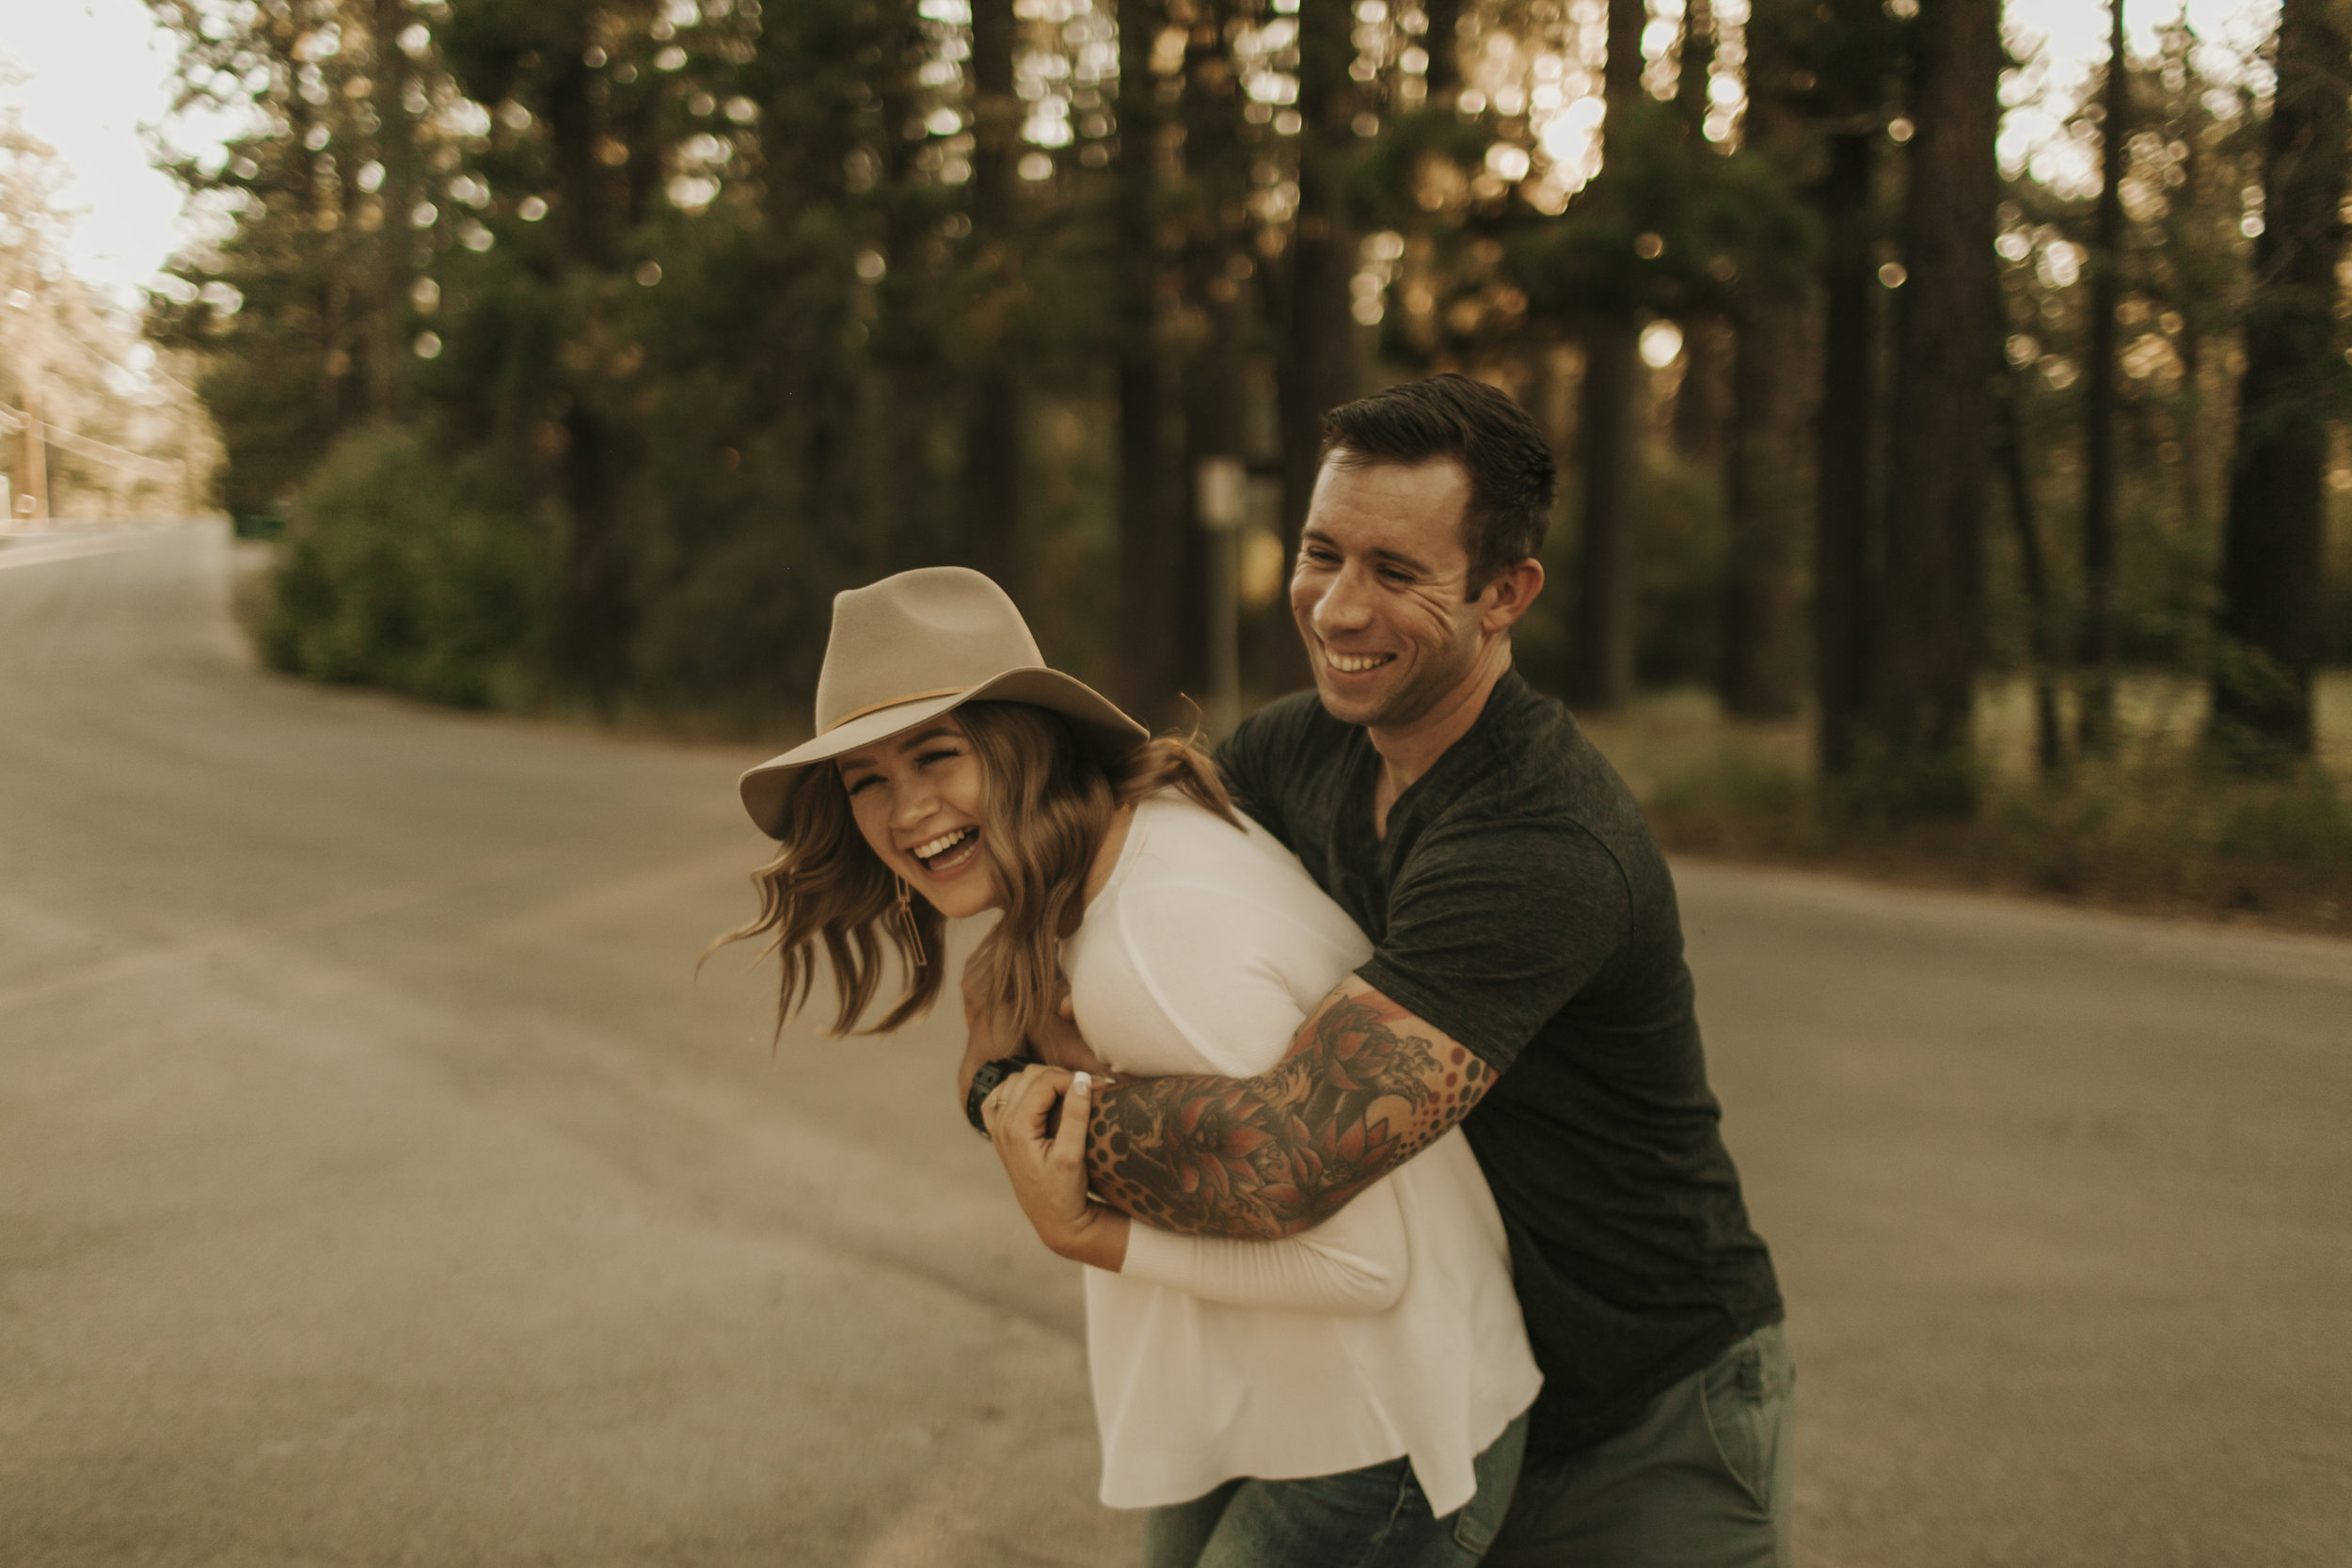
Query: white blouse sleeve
1355	1262
1228	972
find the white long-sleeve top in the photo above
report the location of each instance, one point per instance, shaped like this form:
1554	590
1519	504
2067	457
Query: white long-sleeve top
1390	1329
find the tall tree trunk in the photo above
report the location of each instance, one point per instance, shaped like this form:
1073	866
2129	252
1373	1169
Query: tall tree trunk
1702	416
396	244
1316	358
2273	541
1945	355
994	422
813	118
1147	489
1763	666
2097	653
595	609
1763	641
2200	477
905	493
1704	396
1601	644
1213	393
1442	43
580	231
324	280
1844	557
1214	374
2041	636
1695	66
344	323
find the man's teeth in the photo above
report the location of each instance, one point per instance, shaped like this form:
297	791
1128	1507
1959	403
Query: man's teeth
940	845
1356	664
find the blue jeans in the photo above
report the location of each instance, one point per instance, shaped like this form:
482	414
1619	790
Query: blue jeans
1700	1480
1375	1517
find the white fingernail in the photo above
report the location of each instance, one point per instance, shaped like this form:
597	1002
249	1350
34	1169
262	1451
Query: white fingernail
1081	1082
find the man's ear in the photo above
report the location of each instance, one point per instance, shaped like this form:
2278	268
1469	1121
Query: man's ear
1508	593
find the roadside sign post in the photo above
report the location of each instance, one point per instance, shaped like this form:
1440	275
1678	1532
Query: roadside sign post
1221	496
33	505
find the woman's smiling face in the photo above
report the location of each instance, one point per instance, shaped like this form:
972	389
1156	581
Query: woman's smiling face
917	798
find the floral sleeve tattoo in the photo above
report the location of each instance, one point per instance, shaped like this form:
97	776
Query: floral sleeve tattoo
1269	1156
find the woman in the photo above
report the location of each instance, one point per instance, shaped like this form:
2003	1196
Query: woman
1357	1393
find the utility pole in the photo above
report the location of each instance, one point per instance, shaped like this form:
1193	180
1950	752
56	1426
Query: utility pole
33	472
1221	492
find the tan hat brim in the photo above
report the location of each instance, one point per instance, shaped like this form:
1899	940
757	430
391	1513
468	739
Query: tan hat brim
763	787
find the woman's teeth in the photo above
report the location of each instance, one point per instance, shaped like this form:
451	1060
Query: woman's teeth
942	847
1355	664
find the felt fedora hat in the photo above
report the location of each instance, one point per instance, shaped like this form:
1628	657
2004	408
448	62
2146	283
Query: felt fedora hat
912	647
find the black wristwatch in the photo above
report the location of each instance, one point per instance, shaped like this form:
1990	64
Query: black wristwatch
988	1077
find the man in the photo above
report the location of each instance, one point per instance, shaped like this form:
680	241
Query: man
1528	982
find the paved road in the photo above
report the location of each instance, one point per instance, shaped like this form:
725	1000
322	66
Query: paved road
375	1188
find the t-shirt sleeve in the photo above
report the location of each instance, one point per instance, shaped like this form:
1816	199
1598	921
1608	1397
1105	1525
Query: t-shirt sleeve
1494	926
1250	762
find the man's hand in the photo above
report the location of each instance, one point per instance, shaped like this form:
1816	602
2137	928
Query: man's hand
1366	1086
1047	1164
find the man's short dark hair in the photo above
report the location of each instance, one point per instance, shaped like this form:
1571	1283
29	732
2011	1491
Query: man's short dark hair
1511	470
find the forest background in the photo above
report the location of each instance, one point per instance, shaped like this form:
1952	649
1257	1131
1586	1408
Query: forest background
1994	486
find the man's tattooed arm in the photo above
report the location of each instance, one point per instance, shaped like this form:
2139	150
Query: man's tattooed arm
1366	1086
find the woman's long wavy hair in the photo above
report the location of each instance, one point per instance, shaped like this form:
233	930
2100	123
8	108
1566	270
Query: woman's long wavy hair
1046	800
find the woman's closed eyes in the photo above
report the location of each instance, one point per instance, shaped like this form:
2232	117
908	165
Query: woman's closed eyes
921	759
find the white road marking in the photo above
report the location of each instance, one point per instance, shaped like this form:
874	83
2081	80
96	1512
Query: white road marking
66	549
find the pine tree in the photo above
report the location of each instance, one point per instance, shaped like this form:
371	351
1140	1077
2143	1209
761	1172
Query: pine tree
1930	602
2272	552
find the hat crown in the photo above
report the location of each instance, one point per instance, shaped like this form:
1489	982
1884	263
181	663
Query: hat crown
921	633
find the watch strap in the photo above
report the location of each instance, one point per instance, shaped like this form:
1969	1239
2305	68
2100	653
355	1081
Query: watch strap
988	1075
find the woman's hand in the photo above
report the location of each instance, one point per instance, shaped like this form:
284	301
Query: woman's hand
984	1044
1048	1167
1055	1041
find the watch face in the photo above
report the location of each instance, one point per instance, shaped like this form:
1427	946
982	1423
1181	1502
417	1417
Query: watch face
988	1077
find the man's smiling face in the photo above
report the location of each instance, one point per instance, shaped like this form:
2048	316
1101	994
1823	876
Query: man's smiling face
1380	588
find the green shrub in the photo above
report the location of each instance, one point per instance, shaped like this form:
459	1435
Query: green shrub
395	576
2165	821
1680	533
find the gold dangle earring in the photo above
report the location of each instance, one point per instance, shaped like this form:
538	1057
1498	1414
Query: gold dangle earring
907	926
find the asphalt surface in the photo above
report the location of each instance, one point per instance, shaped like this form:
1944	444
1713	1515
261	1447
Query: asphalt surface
378	1186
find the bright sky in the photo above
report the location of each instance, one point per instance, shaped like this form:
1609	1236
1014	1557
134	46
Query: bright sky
95	74
2077	29
87	76
2071	37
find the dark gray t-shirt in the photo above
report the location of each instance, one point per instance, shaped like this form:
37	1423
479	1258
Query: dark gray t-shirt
1520	904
